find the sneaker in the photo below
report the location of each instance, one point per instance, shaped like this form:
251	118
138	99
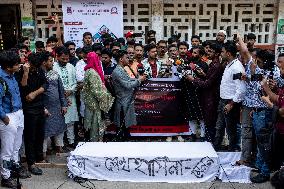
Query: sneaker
169	139
35	170
9	183
259	178
180	139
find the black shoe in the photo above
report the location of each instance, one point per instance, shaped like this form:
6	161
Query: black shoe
35	170
259	178
23	173
9	183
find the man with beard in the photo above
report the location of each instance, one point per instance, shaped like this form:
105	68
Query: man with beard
182	50
221	37
151	64
124	86
209	90
162	49
191	94
72	55
131	68
67	74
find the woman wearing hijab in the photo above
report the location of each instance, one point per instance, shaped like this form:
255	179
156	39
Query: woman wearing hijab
96	97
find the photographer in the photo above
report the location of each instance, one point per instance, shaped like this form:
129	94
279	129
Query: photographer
124	86
231	93
11	114
278	130
256	116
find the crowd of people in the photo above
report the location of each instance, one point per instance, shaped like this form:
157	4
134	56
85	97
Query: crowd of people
53	96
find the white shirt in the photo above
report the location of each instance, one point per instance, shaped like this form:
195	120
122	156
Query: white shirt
229	88
80	72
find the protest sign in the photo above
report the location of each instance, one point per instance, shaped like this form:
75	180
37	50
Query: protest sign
159	110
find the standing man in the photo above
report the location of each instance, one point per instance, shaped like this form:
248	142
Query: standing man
138	49
124	86
114	48
151	64
71	46
11	115
209	87
33	85
251	38
67	74
232	91
108	65
87	39
162	49
221	36
182	50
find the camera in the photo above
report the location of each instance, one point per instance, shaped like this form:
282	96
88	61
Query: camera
11	165
257	77
237	76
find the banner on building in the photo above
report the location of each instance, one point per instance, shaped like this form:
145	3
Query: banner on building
95	16
158	108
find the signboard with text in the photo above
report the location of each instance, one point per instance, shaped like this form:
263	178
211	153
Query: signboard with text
95	16
159	110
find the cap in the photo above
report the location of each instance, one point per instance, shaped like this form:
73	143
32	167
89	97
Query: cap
224	32
129	34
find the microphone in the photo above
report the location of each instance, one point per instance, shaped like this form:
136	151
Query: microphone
140	69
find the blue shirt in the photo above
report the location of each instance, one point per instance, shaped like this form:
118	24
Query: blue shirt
9	101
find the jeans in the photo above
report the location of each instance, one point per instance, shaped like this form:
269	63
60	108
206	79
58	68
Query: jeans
261	121
248	137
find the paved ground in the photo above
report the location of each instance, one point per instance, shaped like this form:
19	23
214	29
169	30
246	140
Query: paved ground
54	178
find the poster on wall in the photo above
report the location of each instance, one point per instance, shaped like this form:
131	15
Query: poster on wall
95	16
28	30
280	26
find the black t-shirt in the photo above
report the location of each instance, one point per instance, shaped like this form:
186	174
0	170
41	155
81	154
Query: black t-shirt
36	80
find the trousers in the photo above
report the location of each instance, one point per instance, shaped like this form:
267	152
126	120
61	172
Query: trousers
11	140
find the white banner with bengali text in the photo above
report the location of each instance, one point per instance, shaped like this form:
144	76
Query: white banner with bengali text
145	161
95	16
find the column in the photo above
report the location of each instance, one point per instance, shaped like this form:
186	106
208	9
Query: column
157	18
